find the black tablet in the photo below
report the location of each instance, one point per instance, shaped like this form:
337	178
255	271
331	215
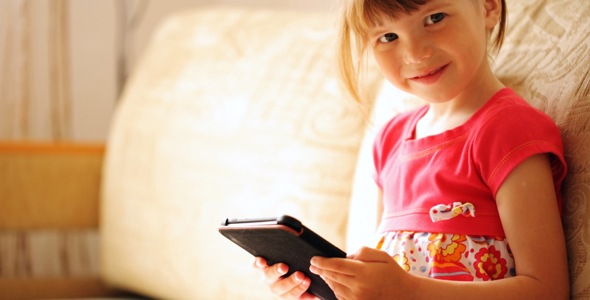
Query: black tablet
283	239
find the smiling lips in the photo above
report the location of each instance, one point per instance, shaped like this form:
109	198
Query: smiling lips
430	76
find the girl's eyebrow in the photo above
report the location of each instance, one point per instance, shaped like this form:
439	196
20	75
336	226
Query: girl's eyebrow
437	5
377	31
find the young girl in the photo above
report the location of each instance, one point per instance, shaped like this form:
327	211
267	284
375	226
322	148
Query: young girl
469	185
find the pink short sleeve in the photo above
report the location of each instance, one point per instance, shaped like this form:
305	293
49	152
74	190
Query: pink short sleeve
512	134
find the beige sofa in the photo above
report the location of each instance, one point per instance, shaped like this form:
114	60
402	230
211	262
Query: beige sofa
236	112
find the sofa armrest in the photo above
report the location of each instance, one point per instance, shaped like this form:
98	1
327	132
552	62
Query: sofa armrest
49	195
49	185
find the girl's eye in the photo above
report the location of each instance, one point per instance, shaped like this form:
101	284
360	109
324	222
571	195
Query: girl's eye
435	18
388	37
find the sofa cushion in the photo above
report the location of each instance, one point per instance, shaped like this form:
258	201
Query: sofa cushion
231	113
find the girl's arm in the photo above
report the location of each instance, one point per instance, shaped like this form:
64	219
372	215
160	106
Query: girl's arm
379	206
530	216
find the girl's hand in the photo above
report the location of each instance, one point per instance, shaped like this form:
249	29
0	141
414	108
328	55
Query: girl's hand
367	274
293	287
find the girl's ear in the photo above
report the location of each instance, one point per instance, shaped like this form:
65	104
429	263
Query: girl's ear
493	12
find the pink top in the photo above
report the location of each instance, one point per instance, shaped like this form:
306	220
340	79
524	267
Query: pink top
466	164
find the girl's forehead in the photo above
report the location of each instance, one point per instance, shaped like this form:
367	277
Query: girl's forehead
376	12
393	7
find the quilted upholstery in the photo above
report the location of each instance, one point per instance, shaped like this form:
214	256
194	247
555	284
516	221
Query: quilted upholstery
546	59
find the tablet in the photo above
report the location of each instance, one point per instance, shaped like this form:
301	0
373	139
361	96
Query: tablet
283	239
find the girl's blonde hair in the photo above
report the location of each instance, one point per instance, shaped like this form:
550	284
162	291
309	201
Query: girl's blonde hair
358	17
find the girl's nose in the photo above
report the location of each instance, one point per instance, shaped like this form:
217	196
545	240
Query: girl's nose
417	50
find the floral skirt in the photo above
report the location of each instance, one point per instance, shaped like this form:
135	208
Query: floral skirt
450	256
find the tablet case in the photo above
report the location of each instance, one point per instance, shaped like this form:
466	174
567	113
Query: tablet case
284	240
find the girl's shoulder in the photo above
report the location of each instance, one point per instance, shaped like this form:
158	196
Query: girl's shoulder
506	113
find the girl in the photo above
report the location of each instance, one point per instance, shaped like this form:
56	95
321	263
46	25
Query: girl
469	184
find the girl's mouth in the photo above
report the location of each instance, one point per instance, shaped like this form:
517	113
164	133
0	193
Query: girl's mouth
431	76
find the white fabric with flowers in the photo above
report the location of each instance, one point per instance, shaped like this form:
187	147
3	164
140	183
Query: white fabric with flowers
450	256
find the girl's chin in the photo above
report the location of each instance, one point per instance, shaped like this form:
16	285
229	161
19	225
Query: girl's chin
435	96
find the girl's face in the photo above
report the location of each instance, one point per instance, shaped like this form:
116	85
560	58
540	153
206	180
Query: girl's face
437	52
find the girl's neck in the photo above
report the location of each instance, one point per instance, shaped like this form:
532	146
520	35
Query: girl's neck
447	115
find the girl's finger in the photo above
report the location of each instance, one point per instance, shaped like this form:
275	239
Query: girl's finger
275	272
340	278
341	297
339	290
367	254
299	289
259	263
285	285
339	265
